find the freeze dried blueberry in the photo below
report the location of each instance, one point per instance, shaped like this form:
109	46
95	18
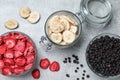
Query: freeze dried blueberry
88	76
77	79
81	65
83	74
83	78
64	61
76	71
67	75
77	68
84	71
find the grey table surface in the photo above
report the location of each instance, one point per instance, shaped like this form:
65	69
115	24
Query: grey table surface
10	9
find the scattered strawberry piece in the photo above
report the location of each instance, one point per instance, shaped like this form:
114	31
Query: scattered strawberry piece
30	58
2	49
44	63
54	66
27	67
10	42
18	70
36	73
20	61
1	64
9	54
20	46
8	61
17	54
6	71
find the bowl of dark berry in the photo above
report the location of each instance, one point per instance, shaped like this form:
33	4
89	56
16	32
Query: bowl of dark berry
17	53
103	55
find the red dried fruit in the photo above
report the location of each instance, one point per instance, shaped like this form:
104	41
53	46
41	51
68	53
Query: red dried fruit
54	66
1	41
28	67
18	36
8	61
20	61
29	48
44	63
18	70
20	46
9	54
30	58
2	49
10	42
1	64
6	71
36	73
17	54
1	56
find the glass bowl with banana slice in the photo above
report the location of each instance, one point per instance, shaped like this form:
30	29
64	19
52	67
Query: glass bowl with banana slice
62	29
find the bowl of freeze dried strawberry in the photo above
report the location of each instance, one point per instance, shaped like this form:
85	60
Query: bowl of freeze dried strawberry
17	53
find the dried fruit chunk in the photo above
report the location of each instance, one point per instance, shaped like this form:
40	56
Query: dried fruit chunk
30	58
8	61
36	74
11	24
9	54
17	54
6	71
44	63
2	49
25	12
34	17
54	66
20	46
20	61
1	64
56	37
28	67
10	42
18	70
73	29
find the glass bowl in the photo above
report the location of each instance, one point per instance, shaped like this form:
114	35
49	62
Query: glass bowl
28	39
88	61
72	16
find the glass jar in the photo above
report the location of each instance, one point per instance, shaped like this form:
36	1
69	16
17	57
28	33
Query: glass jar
48	42
96	13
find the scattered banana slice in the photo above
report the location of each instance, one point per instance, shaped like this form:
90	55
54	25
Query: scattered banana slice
56	27
73	29
11	24
69	19
68	36
34	17
65	23
56	37
25	12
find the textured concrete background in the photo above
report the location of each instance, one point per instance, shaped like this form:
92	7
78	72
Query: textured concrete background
10	9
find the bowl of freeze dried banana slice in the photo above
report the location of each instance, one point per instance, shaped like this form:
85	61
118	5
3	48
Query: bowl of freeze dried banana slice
63	28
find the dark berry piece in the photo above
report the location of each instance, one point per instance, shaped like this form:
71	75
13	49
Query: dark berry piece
88	76
77	79
76	71
67	75
81	65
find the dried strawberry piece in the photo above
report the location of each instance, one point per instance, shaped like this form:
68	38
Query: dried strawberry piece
30	58
44	63
36	73
28	67
17	54
1	41
18	70
10	42
54	66
1	56
20	61
9	54
8	61
1	64
18	36
6	71
20	46
2	49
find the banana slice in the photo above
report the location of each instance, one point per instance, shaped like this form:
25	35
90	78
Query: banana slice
68	36
56	27
49	31
73	29
56	37
63	43
25	12
34	17
11	24
65	23
69	19
53	19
